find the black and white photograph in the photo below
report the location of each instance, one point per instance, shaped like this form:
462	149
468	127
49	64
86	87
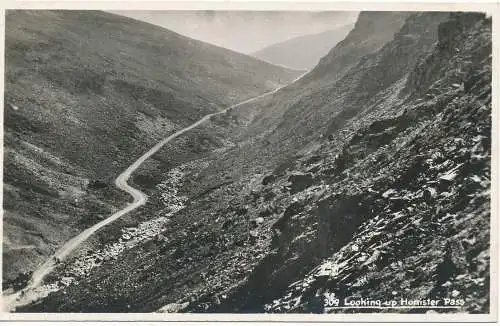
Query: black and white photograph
249	162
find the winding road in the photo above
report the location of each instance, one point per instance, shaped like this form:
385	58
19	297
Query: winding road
139	199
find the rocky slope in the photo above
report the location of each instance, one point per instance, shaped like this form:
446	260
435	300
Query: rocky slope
371	31
421	182
86	93
401	209
303	52
375	184
324	89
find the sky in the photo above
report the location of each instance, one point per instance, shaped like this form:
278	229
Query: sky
244	31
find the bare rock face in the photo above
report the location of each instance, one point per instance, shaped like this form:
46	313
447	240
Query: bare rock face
371	31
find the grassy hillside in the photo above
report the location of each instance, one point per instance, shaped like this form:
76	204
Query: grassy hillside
86	93
303	52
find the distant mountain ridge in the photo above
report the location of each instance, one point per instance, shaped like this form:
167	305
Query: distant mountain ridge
303	52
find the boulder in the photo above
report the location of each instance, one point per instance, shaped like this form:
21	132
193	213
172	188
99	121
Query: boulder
240	211
429	194
97	184
268	179
227	224
300	182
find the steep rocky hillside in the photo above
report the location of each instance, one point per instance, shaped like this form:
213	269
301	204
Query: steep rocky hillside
371	31
412	189
375	184
324	89
303	52
86	93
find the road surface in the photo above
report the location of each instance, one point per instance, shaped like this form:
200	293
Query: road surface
139	199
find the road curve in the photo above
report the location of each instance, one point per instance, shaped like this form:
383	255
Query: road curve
139	199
